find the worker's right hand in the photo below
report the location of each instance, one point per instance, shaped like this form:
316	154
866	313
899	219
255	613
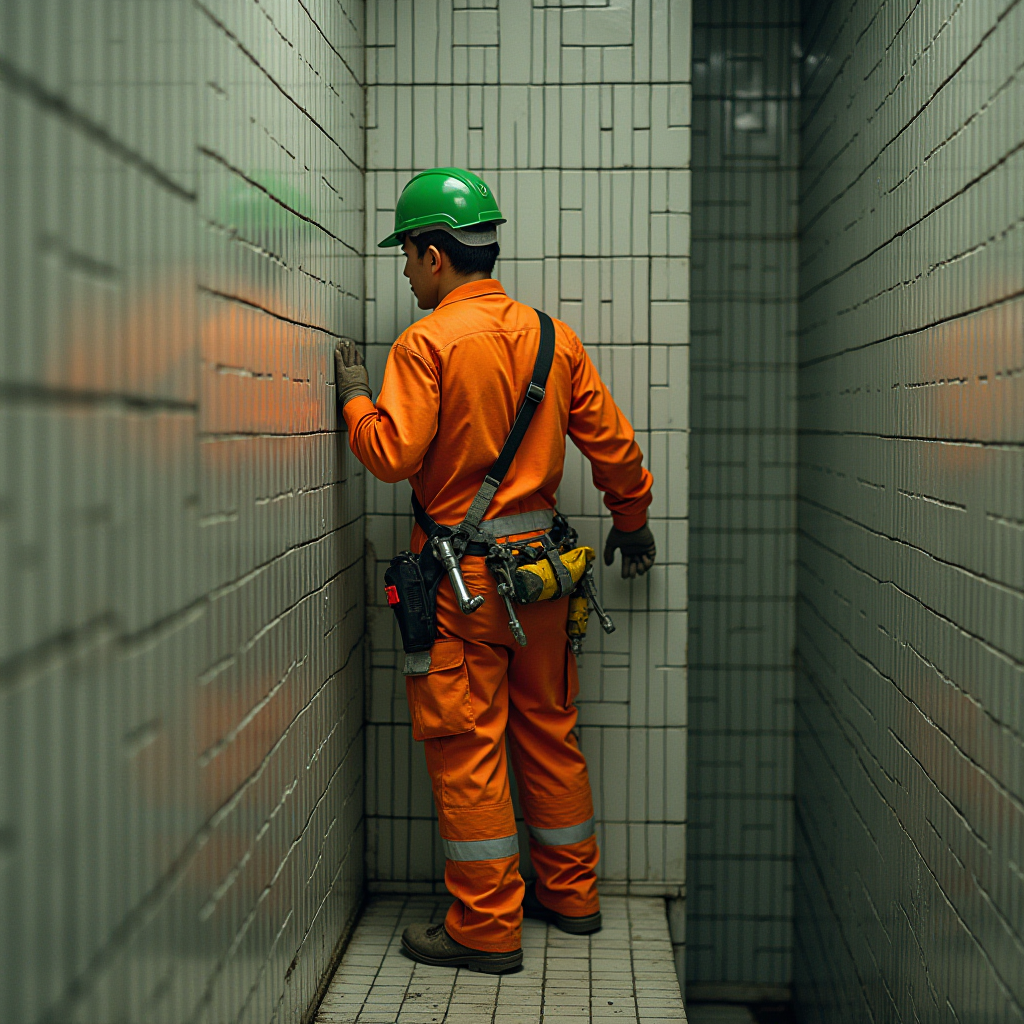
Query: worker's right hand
637	547
350	374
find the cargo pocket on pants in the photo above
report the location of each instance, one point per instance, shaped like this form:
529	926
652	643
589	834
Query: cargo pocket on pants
439	701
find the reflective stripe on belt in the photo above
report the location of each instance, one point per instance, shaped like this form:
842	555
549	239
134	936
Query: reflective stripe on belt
481	849
563	836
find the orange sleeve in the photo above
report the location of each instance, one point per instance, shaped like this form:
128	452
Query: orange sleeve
604	435
391	437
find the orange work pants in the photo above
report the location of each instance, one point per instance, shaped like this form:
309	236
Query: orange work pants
481	687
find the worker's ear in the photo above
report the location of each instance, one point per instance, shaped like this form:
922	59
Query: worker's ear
433	259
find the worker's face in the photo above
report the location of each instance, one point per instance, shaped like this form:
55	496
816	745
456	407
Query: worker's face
424	273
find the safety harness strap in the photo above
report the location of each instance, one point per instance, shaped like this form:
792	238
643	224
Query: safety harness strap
534	394
469	526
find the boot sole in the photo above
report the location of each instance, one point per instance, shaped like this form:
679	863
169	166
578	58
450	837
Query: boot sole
493	964
571	925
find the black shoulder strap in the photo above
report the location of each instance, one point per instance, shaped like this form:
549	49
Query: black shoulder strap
534	393
426	523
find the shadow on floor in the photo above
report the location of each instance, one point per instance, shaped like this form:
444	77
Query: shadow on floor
773	1013
733	1013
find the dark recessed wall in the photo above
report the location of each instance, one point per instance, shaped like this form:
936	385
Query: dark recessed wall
743	483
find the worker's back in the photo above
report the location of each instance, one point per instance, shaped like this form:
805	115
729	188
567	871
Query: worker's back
455	380
484	345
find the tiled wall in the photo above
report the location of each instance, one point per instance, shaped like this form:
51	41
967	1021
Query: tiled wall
181	535
579	116
743	482
909	751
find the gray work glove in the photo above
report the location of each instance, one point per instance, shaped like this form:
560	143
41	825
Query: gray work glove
350	374
637	549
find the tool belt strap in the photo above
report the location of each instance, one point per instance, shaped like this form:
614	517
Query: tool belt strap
467	531
490	529
513	526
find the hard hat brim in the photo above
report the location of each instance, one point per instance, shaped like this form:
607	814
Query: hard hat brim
395	238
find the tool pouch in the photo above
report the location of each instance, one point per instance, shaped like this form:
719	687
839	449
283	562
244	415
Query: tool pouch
410	585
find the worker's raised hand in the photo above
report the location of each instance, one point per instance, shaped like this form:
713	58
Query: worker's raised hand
350	374
637	547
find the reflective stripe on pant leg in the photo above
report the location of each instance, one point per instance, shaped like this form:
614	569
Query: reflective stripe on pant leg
484	849
563	836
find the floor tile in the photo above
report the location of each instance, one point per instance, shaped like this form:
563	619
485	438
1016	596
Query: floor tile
566	979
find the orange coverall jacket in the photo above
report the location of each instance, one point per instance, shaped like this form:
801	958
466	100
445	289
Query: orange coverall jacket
453	383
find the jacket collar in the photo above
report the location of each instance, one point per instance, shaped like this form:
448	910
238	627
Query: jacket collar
472	290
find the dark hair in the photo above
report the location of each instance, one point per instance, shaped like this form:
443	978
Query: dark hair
465	259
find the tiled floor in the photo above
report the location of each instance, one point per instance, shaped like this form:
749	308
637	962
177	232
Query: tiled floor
623	973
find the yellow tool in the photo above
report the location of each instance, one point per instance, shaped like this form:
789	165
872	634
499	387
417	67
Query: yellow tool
538	582
579	616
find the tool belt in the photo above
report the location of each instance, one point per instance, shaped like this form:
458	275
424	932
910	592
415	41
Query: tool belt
538	568
411	581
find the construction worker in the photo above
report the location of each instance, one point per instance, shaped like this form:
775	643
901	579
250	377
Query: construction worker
452	386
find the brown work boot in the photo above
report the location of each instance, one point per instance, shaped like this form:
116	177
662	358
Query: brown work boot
532	907
431	944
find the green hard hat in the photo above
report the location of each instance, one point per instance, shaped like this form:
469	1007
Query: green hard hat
443	195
